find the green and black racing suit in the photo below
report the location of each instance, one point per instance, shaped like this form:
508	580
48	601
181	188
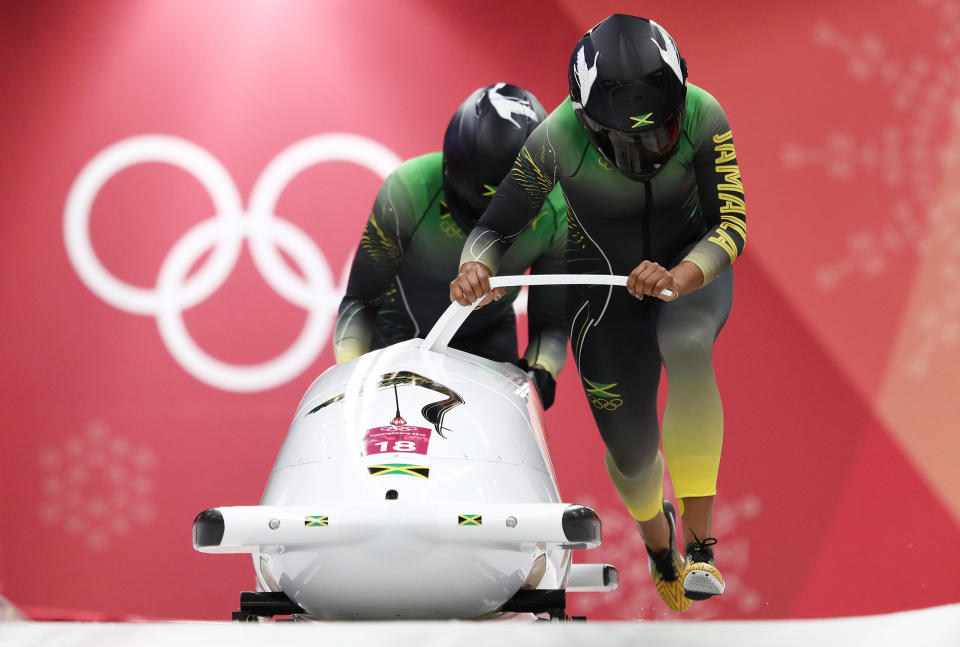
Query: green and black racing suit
400	280
693	209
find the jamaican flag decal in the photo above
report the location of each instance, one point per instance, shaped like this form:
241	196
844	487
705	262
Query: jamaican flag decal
399	469
470	519
314	520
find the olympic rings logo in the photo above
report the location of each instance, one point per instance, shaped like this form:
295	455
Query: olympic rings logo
604	164
224	234
451	229
605	403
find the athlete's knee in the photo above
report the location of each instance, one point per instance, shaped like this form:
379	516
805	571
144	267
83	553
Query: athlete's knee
688	338
632	459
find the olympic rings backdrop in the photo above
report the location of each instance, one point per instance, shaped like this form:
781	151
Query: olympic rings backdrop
183	186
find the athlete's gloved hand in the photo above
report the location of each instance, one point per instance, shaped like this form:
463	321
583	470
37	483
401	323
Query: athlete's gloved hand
546	385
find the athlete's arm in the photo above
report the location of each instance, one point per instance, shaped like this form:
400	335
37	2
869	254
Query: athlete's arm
720	189
375	265
546	307
517	201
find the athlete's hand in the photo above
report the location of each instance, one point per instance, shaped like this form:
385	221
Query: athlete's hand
654	280
473	282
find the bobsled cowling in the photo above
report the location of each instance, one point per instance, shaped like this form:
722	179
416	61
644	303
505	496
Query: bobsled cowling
414	482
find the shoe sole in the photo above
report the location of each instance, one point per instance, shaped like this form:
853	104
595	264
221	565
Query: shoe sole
672	592
702	581
673	595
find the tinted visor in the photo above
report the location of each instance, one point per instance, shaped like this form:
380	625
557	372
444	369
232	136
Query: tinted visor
638	154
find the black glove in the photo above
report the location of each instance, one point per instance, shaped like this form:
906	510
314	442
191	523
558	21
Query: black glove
546	385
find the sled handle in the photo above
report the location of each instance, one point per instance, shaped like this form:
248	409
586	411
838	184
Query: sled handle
453	317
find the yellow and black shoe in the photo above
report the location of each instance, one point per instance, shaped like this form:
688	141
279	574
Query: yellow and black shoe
667	568
702	580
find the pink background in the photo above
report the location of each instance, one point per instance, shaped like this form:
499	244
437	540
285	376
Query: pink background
839	366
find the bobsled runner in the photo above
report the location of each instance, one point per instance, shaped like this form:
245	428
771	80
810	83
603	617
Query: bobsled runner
414	482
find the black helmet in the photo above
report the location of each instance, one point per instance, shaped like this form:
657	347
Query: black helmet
628	85
480	144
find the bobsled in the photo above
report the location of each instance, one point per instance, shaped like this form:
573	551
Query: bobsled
415	481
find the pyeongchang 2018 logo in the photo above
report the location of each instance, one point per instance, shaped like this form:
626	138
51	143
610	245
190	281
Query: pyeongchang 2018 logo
223	235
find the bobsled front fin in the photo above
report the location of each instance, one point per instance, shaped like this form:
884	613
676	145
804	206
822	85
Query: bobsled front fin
252	529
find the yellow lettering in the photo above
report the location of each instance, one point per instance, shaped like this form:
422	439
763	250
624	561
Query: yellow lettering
734	223
731	176
724	240
722	137
732	204
726	151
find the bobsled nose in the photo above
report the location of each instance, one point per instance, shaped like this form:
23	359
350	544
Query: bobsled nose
208	528
582	527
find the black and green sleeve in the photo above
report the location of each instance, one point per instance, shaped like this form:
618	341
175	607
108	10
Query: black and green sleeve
719	186
379	255
516	203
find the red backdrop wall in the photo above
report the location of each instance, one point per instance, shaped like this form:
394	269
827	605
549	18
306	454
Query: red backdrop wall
838	367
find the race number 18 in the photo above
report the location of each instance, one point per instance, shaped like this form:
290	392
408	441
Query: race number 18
398	446
397	438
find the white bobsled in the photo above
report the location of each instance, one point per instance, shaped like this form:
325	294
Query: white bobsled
415	482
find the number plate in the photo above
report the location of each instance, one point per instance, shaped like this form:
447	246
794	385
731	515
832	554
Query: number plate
392	439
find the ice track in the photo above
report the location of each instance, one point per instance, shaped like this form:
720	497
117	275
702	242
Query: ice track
934	627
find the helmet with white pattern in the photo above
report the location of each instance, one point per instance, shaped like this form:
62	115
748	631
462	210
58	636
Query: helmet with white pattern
628	85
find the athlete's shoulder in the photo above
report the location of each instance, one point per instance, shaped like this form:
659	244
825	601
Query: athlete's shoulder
563	114
425	170
699	96
704	115
420	178
562	132
563	122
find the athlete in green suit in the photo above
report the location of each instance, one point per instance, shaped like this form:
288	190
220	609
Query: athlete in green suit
647	165
412	241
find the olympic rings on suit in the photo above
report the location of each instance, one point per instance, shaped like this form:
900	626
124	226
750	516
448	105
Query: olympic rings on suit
451	229
605	403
